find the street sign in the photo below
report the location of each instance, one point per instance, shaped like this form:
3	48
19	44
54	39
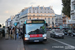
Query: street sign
15	24
60	27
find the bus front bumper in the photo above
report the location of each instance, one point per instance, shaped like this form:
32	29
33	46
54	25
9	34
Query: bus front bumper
36	40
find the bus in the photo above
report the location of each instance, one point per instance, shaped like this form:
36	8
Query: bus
34	31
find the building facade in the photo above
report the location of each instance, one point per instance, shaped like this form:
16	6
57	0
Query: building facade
15	19
65	20
71	22
61	20
46	13
7	24
58	20
72	9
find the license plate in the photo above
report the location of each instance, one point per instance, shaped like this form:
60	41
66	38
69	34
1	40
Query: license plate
36	40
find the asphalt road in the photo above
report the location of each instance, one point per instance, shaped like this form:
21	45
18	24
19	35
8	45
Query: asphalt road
68	43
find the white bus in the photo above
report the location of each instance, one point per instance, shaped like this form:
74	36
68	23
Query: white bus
34	31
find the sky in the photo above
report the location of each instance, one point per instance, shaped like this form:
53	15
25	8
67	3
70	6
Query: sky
12	7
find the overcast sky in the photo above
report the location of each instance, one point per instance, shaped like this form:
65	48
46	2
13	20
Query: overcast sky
13	7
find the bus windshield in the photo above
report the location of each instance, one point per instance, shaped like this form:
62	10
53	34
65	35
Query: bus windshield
35	28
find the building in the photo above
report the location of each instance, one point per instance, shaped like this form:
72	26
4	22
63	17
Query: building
58	20
46	13
72	14
15	19
72	9
61	20
71	22
7	24
65	20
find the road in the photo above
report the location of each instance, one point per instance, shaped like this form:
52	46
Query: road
68	43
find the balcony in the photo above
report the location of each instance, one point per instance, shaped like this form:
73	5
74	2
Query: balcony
72	11
73	1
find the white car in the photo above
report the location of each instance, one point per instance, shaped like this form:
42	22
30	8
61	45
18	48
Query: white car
57	33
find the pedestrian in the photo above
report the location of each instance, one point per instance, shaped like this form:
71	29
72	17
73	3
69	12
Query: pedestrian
8	32
13	33
17	33
21	34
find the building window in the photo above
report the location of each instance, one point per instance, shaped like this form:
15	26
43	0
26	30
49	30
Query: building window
33	15
49	20
41	14
33	11
48	15
41	18
35	8
45	15
45	11
37	18
37	15
74	6
30	18
29	15
45	8
41	7
48	8
37	12
45	18
29	11
52	18
41	11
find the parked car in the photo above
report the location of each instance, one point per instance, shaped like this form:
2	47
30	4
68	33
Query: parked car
57	33
50	29
65	31
70	31
73	32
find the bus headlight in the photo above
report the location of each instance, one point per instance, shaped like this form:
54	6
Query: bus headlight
26	38
44	37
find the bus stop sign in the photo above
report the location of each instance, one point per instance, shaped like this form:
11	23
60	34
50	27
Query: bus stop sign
60	27
15	24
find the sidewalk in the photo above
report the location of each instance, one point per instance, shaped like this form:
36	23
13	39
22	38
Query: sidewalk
11	44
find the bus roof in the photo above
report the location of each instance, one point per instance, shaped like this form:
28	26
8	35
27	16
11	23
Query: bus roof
34	19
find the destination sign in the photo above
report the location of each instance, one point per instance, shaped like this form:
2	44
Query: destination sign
29	21
35	21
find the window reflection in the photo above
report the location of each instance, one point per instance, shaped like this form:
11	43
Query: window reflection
35	29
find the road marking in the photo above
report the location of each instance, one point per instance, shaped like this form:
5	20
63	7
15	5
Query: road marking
63	43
